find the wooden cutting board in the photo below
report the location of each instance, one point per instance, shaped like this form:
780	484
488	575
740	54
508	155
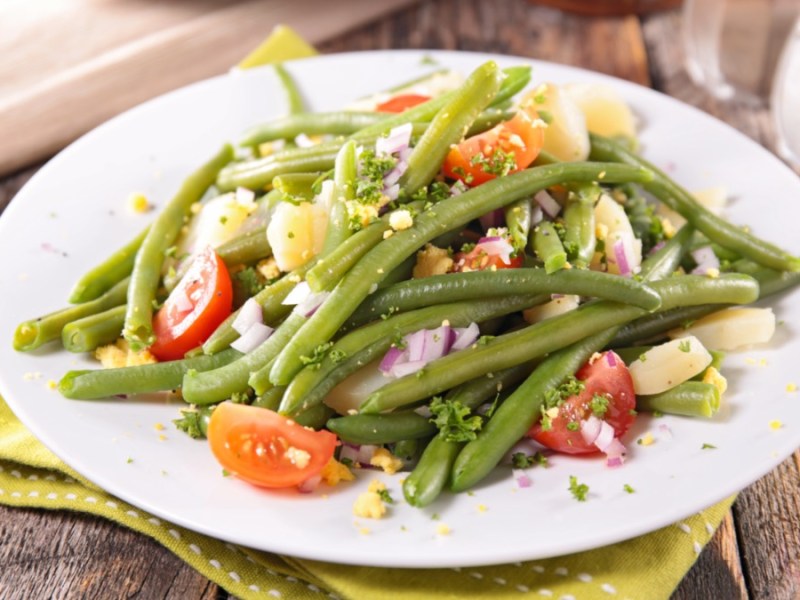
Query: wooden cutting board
69	65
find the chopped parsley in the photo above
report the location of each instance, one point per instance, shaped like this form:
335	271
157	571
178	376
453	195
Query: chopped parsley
485	339
337	356
708	447
454	420
317	355
578	490
643	357
599	405
189	423
385	496
347	462
520	460
628	488
498	163
392	310
547	422
223	219
240	398
685	346
573	426
248	282
570	387
369	187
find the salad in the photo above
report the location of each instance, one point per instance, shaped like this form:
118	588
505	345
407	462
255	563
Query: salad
420	282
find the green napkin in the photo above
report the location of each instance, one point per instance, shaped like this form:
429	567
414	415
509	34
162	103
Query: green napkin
649	567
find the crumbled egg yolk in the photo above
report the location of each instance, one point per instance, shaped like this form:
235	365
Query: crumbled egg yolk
334	472
775	424
138	203
791	387
268	268
119	354
299	458
668	227
712	273
443	529
385	460
369	505
400	220
159	427
362	213
647	439
432	261
716	379
601	231
51	384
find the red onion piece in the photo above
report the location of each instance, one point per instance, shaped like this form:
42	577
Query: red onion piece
349	452
394	175
310	484
404	154
657	247
392	192
459	187
465	337
590	429
615	453
365	453
249	313
495	218
521	478
537	215
256	334
390	359
549	204
415	344
500	248
611	359
299	293
666	431
437	343
605	437
310	305
706	259
407	368
622	258
398	139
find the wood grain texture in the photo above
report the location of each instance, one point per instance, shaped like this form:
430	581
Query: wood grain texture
756	551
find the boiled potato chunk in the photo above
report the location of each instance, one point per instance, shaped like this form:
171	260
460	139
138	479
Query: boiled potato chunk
566	136
663	367
556	306
613	222
296	233
732	328
351	392
713	198
604	109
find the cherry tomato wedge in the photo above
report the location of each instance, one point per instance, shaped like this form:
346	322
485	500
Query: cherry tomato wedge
401	102
194	309
266	449
506	148
479	259
608	377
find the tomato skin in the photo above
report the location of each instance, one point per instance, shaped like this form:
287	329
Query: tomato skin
478	260
259	446
401	103
520	135
207	286
599	378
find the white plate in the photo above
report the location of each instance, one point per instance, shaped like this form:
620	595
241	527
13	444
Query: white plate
76	205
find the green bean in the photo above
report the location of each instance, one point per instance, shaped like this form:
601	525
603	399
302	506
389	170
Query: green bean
445	216
579	238
146	272
516	79
270	399
401	272
246	248
157	377
518	221
293	96
296	185
654	326
552	334
108	273
713	227
315	417
257	174
29	335
691	399
449	126
86	334
408	450
289	127
722	253
344	190
548	247
488	119
360	347
453	287
770	280
431	474
216	385
519	412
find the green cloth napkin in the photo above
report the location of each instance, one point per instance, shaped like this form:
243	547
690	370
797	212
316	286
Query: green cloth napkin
649	567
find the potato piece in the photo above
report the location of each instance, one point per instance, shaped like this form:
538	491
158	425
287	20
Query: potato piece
566	135
350	393
610	217
218	221
557	306
604	109
713	198
296	233
663	367
732	328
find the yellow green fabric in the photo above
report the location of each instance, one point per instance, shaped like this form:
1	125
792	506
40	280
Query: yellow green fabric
647	567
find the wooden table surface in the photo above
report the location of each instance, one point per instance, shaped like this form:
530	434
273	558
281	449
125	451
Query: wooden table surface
755	553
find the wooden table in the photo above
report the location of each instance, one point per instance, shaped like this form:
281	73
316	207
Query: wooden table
756	552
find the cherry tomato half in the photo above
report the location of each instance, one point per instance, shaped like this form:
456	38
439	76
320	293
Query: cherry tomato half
198	304
478	259
506	148
266	449
401	102
599	377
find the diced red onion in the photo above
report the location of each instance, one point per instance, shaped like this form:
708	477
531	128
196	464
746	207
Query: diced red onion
349	452
666	431
465	337
521	478
256	334
392	192
310	305
495	218
601	434
415	344
500	248
537	215
657	247
399	137
365	453
303	141
401	369
615	461
310	484
615	453
423	411
590	429
391	357
249	313
404	154
437	343
611	359
706	259
549	204
299	293
622	258
394	175
605	437
459	187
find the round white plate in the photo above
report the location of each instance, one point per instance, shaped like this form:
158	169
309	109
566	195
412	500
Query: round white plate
73	213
